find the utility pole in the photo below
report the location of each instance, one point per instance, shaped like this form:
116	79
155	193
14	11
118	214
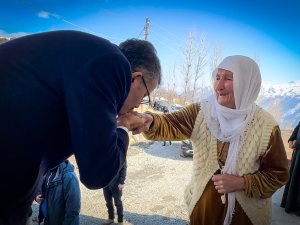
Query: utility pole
146	29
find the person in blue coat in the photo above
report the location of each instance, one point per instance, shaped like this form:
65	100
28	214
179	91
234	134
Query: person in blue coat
60	94
60	196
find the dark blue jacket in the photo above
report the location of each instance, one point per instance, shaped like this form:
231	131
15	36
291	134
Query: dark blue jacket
61	189
60	93
295	132
119	178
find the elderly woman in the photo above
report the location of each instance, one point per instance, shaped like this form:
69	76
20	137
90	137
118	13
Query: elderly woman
239	157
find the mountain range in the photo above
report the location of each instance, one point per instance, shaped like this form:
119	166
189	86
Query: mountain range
283	102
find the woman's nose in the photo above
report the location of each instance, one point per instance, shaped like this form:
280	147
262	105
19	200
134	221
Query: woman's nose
220	84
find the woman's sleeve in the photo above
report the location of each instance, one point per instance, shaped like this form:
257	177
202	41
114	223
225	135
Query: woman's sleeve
273	172
174	126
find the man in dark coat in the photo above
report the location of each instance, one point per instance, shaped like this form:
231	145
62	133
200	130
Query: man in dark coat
60	94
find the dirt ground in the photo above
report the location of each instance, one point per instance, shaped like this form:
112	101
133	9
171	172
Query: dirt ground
153	194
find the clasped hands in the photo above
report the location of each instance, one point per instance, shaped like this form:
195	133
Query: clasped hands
135	122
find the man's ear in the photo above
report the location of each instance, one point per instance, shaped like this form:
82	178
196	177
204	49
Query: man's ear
135	75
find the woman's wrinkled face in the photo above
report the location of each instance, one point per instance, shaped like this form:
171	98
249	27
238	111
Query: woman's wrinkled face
223	87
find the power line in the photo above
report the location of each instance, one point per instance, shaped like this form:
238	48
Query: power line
35	7
166	45
141	32
166	39
170	33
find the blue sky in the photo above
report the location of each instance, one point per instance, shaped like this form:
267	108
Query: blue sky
268	31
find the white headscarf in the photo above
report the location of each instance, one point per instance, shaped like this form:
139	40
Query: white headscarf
228	125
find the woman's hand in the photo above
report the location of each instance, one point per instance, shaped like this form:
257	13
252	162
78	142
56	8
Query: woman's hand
147	119
136	122
226	183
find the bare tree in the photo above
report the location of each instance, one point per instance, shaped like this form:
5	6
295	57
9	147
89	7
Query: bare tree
171	84
156	94
200	55
216	58
187	66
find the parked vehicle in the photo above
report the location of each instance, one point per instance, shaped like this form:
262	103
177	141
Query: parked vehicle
175	107
160	105
186	149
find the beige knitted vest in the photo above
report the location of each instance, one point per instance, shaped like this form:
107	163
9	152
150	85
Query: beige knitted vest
205	163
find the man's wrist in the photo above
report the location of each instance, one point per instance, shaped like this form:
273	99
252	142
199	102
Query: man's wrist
124	128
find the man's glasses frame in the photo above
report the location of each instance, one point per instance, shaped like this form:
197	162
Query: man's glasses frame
145	100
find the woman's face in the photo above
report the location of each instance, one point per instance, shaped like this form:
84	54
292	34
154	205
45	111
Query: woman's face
223	87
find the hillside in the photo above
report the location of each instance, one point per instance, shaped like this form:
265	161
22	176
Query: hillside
283	102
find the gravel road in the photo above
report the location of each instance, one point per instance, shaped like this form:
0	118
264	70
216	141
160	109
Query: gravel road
153	193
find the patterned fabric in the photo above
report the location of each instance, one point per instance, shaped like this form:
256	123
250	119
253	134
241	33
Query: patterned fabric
206	163
261	184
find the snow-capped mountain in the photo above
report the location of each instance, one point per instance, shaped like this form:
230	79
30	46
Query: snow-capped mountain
283	102
284	89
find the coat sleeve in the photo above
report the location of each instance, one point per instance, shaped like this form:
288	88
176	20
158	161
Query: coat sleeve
122	174
273	172
72	199
92	103
295	132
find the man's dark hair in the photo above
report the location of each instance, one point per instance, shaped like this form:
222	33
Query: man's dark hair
142	55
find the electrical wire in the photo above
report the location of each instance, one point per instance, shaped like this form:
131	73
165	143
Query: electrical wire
35	8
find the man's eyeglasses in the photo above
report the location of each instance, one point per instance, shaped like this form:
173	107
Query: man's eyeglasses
146	99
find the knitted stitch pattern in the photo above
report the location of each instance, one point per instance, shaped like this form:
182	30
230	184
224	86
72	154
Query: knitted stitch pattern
257	138
205	163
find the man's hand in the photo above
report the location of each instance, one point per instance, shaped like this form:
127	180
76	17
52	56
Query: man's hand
121	186
135	122
292	144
